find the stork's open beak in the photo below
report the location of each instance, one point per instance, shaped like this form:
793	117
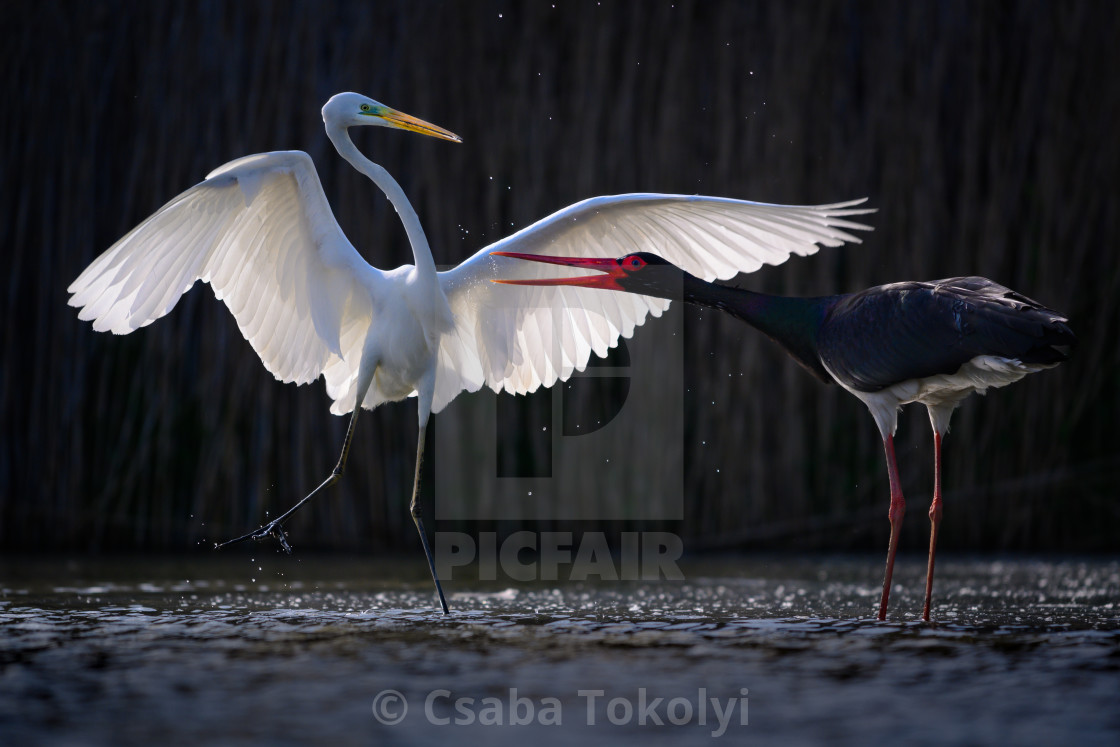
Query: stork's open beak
609	280
408	122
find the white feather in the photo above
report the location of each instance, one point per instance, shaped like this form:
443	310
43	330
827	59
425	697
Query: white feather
259	230
941	393
518	338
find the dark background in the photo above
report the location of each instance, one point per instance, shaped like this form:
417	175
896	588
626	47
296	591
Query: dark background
985	134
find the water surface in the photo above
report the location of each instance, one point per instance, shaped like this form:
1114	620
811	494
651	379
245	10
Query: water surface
766	649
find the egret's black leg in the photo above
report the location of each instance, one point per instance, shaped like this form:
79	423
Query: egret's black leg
414	509
897	511
274	528
934	520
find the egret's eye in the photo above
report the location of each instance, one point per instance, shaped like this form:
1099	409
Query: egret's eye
365	107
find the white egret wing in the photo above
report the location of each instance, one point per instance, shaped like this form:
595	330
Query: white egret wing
518	338
259	230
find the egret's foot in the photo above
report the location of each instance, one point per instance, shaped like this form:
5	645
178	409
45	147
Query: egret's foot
272	529
281	536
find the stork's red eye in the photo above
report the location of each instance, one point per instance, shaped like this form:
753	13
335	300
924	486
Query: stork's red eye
635	262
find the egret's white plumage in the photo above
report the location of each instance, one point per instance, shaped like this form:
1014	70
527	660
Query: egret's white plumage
532	337
260	231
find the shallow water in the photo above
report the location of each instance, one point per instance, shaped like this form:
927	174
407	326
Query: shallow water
301	649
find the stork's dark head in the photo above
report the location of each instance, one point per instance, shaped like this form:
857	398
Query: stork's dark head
641	272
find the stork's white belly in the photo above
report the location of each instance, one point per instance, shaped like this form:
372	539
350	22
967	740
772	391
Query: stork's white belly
941	393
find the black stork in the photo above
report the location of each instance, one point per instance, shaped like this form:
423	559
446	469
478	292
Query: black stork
932	342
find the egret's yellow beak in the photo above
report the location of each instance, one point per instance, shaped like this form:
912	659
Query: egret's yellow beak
408	122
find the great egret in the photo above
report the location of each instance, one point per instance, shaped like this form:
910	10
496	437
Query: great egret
930	342
260	231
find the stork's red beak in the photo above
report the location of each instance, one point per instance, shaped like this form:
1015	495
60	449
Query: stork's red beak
609	280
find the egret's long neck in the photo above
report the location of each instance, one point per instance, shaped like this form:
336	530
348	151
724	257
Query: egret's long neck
421	252
793	323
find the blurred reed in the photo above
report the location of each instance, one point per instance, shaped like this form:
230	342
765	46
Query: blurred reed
984	132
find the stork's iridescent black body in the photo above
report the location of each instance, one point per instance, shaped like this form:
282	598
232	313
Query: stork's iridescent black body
931	342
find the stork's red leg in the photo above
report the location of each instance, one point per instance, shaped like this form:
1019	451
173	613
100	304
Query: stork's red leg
897	511
934	520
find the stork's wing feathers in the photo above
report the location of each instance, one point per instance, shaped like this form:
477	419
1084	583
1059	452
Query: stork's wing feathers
260	231
929	328
518	338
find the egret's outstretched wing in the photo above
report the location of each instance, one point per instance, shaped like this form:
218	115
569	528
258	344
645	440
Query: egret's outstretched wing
519	337
260	231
